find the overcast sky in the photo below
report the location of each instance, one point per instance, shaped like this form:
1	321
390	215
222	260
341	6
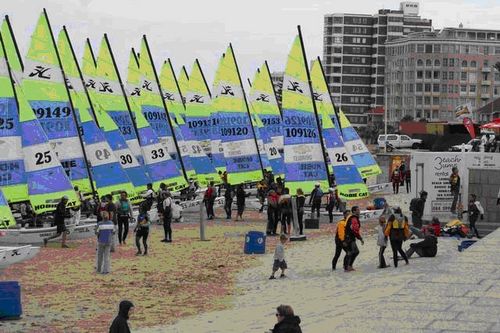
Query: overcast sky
186	29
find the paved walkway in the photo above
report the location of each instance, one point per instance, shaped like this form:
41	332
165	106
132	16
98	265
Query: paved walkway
453	292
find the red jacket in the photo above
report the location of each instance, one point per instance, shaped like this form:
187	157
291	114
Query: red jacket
396	176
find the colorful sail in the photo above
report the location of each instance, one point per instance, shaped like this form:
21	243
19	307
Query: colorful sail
45	88
201	167
11	50
261	139
361	156
304	159
240	150
350	185
6	218
107	174
183	82
12	173
216	148
47	180
152	103
265	107
161	167
109	102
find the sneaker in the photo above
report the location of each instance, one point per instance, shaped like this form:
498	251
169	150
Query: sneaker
169	241
145	253
64	246
164	240
272	277
138	253
282	276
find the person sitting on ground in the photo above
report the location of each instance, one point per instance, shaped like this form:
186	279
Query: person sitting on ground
279	258
288	322
425	248
120	324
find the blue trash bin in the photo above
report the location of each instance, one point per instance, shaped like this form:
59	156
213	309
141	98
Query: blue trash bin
10	300
255	242
379	203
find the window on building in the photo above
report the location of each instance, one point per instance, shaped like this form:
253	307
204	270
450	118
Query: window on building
428	63
419	100
450	89
420	48
428	74
437	63
445	62
463	88
496	90
464	64
485	63
451	62
427	87
428	48
472	77
444	88
420	62
337	30
427	100
435	100
451	75
436	74
485	76
337	69
336	79
463	76
337	50
473	64
337	60
420	74
435	87
419	87
445	75
497	76
437	48
335	89
338	19
472	88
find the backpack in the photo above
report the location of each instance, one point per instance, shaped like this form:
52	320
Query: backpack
413	204
272	202
341	228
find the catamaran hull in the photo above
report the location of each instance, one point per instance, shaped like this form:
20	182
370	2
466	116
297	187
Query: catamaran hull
37	235
15	254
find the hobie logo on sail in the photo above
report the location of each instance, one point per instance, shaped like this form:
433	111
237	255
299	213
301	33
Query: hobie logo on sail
263	98
168	96
147	85
317	97
105	87
295	86
227	90
40	72
68	84
90	84
136	92
196	99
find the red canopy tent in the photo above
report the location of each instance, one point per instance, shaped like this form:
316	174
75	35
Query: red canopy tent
493	124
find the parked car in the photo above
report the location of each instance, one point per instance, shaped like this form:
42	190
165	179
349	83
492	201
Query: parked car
398	141
472	145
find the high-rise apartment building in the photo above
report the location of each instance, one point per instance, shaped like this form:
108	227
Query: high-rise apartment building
354	55
429	74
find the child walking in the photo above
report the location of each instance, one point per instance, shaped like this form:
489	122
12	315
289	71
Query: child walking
381	242
279	258
142	231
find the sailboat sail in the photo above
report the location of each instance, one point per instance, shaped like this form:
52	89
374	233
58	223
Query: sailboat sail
202	169
161	167
350	185
44	86
304	159
266	110
361	156
6	217
107	97
183	82
107	174
238	140
12	173
217	150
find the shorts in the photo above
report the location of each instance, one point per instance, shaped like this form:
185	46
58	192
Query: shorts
61	228
279	265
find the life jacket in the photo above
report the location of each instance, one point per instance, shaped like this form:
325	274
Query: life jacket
397	229
124	208
341	228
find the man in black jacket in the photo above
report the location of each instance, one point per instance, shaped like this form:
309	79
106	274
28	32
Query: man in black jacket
417	211
120	324
425	248
287	321
59	215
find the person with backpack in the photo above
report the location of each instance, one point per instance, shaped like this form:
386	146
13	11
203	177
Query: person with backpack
339	240
167	218
396	180
398	231
475	210
315	199
331	203
301	200
352	232
124	213
285	204
273	212
454	188
228	200
417	206
209	200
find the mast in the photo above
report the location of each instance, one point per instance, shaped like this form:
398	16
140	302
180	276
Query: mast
314	104
14	41
134	124
272	85
94	192
176	82
81	74
246	106
165	107
204	79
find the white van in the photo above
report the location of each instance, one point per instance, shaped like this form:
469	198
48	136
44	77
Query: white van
398	141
